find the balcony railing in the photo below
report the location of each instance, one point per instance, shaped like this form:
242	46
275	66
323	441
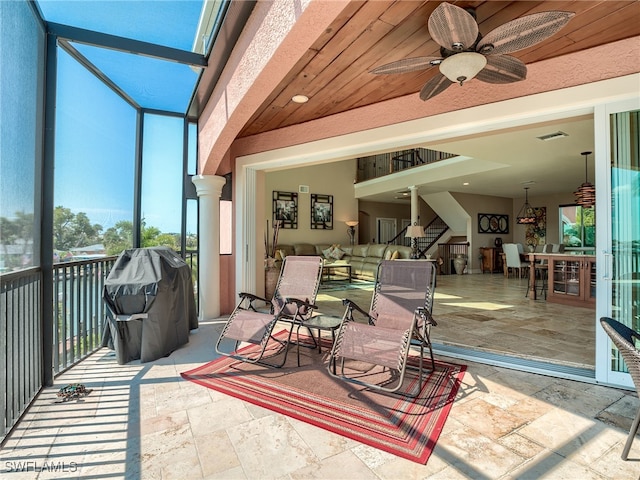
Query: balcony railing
20	343
78	309
375	166
79	317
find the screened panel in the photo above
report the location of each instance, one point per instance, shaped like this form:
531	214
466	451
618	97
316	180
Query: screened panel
21	116
95	165
192	162
150	82
136	19
162	180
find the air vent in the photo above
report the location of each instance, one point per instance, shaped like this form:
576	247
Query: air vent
552	136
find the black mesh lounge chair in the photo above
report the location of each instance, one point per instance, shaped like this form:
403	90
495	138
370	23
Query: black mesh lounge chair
293	302
623	338
399	316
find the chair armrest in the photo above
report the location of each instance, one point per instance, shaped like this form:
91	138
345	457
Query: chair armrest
351	306
426	316
300	303
252	298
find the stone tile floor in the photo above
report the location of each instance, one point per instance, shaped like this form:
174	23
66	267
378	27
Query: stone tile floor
142	421
490	312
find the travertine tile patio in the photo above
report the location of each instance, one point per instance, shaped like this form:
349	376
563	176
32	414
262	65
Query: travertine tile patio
143	421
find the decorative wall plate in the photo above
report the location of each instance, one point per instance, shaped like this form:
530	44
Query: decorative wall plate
493	223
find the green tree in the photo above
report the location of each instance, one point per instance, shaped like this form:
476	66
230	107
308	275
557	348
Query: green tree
18	231
118	238
73	230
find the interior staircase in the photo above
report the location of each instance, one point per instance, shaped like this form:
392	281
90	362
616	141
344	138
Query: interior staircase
433	232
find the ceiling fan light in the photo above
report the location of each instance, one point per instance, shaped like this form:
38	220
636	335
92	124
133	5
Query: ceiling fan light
462	67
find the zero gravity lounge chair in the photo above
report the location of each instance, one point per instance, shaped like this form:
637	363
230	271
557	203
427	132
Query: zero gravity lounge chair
400	315
293	302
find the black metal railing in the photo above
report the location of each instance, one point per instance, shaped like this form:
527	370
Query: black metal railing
20	343
375	166
79	317
78	309
433	232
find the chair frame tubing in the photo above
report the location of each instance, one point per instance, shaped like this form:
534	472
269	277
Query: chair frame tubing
303	309
415	333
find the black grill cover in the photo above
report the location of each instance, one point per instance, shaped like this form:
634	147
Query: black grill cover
155	281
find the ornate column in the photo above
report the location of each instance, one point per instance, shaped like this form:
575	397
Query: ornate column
209	189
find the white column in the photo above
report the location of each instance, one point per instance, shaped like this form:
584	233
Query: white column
209	189
415	210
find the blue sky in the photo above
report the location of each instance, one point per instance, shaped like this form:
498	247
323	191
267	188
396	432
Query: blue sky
95	128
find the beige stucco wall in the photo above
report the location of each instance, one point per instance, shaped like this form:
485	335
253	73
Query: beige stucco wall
328	179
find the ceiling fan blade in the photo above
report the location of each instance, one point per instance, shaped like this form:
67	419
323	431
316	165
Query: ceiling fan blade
407	65
435	86
453	27
523	32
503	69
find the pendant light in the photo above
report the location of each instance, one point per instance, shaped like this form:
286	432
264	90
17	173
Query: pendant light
586	193
526	215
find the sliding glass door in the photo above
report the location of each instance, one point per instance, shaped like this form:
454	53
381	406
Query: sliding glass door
619	202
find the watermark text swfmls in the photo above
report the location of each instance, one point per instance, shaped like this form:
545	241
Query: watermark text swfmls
37	466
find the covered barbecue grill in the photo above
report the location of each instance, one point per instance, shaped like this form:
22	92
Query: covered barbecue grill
150	304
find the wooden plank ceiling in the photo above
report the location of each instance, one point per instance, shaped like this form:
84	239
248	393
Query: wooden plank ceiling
334	73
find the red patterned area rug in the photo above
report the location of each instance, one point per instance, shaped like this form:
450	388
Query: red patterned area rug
404	426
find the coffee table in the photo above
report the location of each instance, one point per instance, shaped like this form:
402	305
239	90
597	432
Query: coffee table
330	267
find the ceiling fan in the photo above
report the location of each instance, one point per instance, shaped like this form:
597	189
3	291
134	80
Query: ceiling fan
466	54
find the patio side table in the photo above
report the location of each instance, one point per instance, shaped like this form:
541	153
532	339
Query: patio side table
326	323
320	323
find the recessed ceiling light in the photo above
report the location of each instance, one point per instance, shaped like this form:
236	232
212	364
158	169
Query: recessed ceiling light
465	183
300	98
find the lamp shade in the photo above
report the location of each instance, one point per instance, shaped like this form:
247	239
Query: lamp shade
586	193
351	223
415	231
462	67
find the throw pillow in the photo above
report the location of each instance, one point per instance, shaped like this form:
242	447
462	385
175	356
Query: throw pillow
327	252
337	253
387	255
395	255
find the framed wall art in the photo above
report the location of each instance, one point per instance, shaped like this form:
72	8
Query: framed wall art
285	209
493	223
322	211
536	234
